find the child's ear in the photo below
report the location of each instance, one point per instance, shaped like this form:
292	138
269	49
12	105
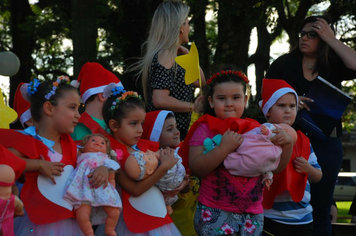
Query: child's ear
113	125
48	108
211	102
101	97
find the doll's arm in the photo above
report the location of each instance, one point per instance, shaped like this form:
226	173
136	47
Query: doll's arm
136	188
267	179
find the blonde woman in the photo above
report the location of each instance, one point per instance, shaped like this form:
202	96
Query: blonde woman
162	78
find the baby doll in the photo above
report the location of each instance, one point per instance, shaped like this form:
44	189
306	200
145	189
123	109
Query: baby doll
94	151
140	165
10	205
256	155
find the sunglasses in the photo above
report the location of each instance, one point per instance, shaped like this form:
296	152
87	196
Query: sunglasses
310	34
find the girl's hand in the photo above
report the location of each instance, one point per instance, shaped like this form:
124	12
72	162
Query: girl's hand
302	103
301	165
99	176
182	50
230	141
49	169
167	158
281	138
180	188
199	104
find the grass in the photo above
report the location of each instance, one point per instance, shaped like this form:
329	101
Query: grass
342	212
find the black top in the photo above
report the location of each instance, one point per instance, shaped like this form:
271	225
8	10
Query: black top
173	80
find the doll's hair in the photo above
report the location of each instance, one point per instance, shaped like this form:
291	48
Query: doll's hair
87	138
38	98
227	75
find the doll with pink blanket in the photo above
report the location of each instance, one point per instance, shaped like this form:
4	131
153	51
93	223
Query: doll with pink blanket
257	154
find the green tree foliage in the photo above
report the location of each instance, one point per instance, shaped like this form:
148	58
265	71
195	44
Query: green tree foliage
111	32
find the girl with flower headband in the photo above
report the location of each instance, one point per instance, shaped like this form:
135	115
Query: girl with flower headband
144	210
50	156
227	204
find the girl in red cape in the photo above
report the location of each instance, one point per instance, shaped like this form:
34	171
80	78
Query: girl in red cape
227	204
287	209
50	156
144	209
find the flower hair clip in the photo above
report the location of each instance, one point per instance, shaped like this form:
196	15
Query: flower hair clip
124	96
32	87
226	73
60	80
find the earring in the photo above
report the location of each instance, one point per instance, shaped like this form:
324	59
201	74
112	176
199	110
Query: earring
181	31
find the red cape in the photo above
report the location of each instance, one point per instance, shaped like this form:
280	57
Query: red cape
218	126
40	209
16	163
91	124
289	179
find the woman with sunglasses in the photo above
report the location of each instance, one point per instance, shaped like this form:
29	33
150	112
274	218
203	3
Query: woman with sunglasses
318	53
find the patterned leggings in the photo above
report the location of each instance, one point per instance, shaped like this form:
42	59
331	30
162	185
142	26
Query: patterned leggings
213	222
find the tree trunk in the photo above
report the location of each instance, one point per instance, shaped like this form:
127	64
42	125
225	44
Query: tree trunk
234	28
197	9
23	44
84	33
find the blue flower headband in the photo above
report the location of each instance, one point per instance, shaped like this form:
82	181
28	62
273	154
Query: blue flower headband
60	80
124	96
32	87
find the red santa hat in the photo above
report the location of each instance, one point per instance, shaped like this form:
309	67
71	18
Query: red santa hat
93	78
153	125
21	105
272	90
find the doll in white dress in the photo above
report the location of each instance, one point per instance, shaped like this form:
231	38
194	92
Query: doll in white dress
94	152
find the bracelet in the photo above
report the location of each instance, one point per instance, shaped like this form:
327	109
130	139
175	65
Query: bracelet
191	107
39	161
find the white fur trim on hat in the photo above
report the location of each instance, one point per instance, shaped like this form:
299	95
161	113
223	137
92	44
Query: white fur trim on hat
158	126
96	90
275	96
25	117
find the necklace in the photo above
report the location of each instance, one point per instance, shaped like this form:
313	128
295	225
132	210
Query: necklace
308	66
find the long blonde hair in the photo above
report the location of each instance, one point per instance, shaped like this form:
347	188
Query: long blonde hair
164	33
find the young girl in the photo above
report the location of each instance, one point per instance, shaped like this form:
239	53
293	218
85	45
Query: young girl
227	204
161	126
144	210
50	156
95	151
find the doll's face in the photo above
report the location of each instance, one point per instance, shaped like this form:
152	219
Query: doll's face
95	144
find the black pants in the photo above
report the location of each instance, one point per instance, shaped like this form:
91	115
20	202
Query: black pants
271	227
329	153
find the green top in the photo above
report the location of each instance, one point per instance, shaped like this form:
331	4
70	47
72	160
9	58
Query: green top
81	130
